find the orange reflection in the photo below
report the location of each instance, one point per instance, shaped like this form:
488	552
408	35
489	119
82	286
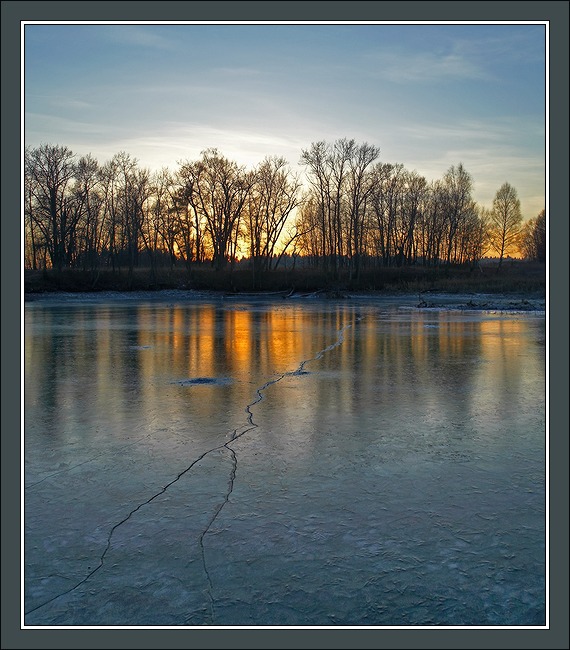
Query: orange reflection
135	362
238	338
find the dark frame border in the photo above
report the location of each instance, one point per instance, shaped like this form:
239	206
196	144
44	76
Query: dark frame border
556	12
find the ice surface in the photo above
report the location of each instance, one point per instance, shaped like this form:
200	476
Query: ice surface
195	461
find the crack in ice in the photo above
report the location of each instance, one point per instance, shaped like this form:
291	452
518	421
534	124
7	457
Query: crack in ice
120	523
300	370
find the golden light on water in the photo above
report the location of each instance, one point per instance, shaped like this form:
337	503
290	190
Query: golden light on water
382	361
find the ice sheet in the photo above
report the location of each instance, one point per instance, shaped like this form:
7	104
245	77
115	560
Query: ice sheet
195	461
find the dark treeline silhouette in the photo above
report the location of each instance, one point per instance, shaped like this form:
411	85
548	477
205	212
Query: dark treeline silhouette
354	213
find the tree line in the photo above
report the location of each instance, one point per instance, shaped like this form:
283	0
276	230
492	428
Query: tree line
353	212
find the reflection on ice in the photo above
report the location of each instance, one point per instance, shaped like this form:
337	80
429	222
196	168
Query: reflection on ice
339	463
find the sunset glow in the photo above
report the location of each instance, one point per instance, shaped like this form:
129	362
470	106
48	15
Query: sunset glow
428	95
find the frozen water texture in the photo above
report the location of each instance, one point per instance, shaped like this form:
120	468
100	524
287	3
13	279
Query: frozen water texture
195	461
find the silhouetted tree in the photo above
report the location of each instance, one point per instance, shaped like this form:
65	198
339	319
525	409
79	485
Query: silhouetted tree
273	196
49	171
533	238
89	203
308	224
191	240
356	211
457	207
217	190
505	222
319	174
359	188
386	202
413	195
34	239
432	225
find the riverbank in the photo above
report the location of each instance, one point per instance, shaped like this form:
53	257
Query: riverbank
515	277
429	301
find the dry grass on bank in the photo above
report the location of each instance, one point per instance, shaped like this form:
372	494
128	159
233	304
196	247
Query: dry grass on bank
514	277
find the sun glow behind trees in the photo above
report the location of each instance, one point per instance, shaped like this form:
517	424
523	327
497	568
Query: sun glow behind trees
352	212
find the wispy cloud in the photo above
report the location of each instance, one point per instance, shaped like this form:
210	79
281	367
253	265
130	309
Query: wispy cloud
460	56
237	71
141	36
60	127
58	101
404	67
492	130
518	46
182	141
69	103
166	93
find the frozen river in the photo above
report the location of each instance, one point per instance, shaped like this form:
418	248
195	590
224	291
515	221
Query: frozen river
197	461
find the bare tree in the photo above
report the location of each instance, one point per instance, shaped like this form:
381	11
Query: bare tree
340	155
412	198
433	225
505	222
388	181
533	238
217	190
49	171
109	187
165	214
89	202
360	187
191	241
472	237
133	195
356	211
308	225
126	189
319	173
34	240
457	205
154	210
272	198
341	192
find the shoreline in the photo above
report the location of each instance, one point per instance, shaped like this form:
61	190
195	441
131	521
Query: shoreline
431	300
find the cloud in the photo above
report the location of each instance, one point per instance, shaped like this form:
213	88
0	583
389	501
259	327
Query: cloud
403	67
236	71
70	104
474	53
525	45
60	127
182	141
493	130
141	36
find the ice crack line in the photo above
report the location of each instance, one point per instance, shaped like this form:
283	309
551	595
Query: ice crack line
120	523
235	435
253	425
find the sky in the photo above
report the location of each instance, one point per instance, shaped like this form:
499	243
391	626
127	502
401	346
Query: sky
429	96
